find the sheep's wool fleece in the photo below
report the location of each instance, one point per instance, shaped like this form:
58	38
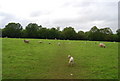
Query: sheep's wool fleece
71	59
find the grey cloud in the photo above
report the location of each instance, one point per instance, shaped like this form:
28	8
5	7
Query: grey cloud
78	3
95	11
88	12
7	18
39	13
100	12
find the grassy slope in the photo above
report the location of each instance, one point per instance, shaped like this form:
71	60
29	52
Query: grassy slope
44	61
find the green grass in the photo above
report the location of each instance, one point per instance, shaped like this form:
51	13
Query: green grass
49	61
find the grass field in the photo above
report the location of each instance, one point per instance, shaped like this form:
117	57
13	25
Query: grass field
49	61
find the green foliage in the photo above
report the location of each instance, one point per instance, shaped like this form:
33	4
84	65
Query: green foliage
43	33
24	33
12	30
118	33
53	33
69	33
103	34
0	32
94	33
32	30
81	35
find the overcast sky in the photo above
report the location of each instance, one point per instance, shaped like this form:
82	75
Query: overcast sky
80	14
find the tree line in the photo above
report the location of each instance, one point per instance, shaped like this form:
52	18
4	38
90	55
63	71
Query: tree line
33	30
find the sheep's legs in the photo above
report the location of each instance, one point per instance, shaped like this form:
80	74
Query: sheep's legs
70	64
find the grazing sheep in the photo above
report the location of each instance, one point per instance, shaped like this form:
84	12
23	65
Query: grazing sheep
40	41
71	60
102	45
59	44
26	41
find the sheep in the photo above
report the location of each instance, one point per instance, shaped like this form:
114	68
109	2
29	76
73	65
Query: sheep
58	43
102	45
26	41
40	41
71	60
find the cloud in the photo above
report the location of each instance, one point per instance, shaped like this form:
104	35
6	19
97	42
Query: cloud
39	13
7	18
102	14
80	14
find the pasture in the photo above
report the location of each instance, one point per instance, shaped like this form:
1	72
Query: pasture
49	61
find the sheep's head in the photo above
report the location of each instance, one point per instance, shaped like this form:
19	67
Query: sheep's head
69	56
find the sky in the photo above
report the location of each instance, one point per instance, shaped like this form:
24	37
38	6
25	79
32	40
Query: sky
79	14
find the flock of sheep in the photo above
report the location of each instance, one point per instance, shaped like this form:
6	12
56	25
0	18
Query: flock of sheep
70	58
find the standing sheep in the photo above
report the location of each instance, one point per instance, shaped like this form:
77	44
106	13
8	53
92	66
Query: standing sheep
102	45
58	43
26	41
40	41
71	60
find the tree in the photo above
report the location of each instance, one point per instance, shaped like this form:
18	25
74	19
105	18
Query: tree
24	34
53	33
80	35
43	33
114	37
94	33
12	30
118	34
32	30
100	34
106	34
69	33
0	32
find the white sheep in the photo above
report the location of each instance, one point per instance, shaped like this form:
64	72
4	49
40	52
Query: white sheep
71	60
58	43
40	41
